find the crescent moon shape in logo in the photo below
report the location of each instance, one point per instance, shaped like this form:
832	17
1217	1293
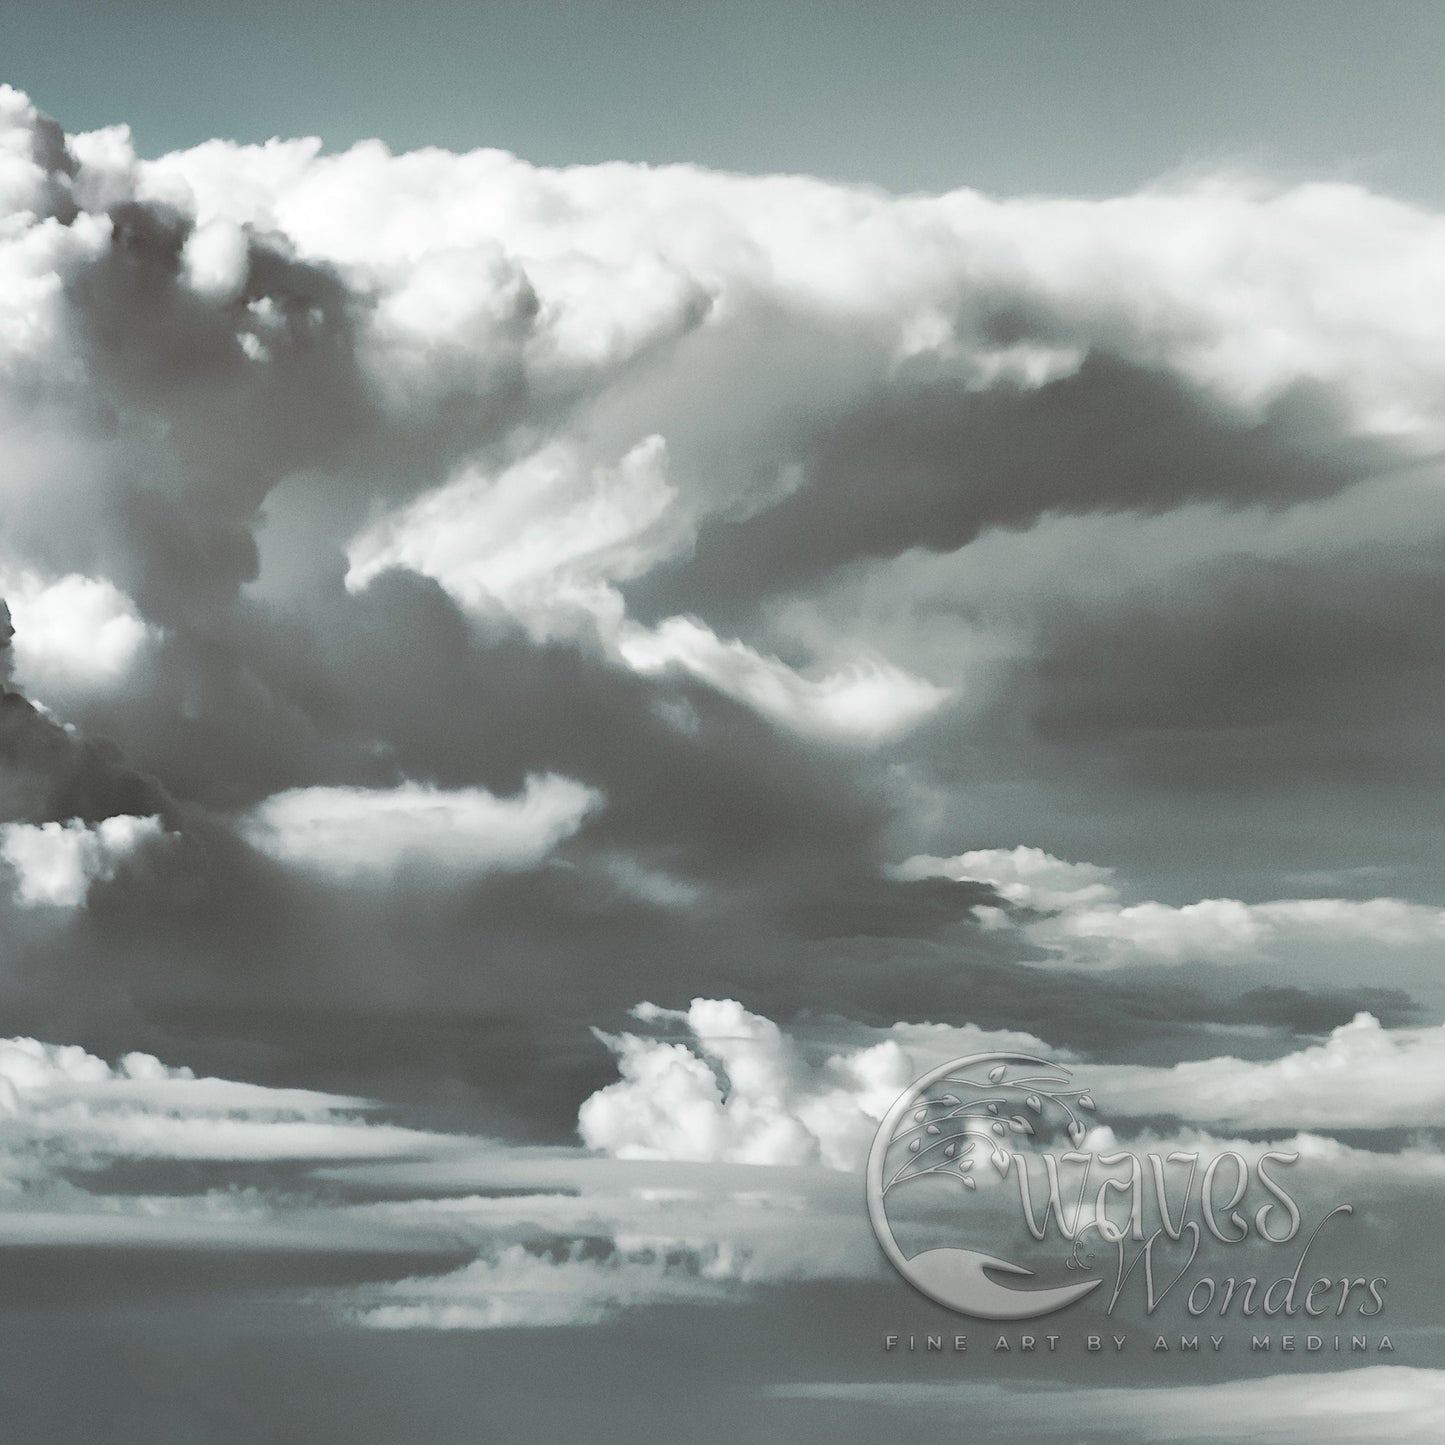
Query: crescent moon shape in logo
956	1278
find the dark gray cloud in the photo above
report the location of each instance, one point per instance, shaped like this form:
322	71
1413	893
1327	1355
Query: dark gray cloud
51	774
931	464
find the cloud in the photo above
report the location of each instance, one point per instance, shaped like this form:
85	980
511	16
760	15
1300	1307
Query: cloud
631	419
140	1154
517	1288
739	1089
30	1067
1397	1404
1361	1076
73	634
803	524
1224	929
863	702
1025	876
350	833
1085	924
545	539
62	1108
736	1087
55	863
540	386
547	542
712	1183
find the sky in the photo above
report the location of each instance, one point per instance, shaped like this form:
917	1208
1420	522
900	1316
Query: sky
590	594
1067	96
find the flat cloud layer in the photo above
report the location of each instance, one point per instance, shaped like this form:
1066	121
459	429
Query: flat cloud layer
1392	1403
1085	922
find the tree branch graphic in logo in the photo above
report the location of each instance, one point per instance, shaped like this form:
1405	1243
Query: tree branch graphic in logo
936	1128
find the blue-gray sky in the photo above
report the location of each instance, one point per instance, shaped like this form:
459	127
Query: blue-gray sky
1071	96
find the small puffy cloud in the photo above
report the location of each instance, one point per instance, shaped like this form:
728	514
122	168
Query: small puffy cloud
360	833
29	1069
74	634
55	863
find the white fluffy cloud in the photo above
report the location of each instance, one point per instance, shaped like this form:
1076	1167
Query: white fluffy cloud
677	336
1028	877
442	835
548	539
545	539
74	634
1226	280
55	863
737	1088
1087	924
1362	1076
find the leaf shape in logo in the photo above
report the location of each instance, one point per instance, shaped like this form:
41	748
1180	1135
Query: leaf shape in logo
1076	1133
949	1099
1020	1125
996	1127
966	1164
1033	1102
994	1075
1086	1101
1000	1161
968	1181
993	1108
934	1129
949	1150
913	1147
922	1114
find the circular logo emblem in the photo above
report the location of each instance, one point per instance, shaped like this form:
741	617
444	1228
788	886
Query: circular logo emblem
964	1114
